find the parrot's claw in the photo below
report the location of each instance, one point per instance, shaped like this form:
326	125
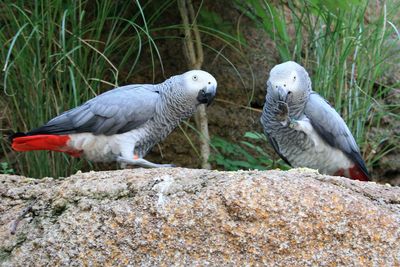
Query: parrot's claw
142	163
294	124
291	123
285	123
282	111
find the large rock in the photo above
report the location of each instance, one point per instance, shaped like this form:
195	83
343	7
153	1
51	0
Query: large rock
199	217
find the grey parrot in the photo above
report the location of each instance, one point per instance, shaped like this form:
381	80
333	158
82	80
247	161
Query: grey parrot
304	129
123	124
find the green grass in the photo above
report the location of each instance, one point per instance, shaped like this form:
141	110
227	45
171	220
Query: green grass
55	56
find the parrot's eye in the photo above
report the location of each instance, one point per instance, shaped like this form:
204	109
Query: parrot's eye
294	78
284	85
195	78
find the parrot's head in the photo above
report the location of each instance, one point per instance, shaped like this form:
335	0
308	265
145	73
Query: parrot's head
290	83
200	86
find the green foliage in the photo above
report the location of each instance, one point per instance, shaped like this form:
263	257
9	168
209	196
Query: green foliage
209	19
244	155
5	168
56	55
334	6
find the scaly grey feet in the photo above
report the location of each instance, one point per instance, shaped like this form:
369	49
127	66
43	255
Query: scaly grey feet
142	163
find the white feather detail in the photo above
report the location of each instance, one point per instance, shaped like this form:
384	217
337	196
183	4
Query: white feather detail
105	148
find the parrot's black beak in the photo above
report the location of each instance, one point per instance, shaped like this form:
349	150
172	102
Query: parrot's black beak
282	94
206	96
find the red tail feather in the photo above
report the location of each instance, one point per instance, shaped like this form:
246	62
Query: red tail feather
44	142
357	174
354	172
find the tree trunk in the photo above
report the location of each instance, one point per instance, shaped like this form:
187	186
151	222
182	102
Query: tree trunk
194	55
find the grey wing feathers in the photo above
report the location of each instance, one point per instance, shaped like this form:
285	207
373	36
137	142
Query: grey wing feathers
332	128
116	111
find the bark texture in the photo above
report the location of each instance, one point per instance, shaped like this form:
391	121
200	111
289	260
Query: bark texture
194	54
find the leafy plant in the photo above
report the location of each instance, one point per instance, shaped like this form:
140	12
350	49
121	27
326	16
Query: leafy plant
5	168
244	155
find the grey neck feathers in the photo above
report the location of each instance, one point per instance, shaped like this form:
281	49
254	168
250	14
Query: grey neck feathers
175	103
171	110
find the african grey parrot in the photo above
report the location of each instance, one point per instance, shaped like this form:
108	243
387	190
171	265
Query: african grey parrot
304	129
123	124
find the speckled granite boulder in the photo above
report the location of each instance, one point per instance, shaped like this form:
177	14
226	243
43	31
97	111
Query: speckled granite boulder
197	217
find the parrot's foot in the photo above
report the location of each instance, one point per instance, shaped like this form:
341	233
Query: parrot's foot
282	112
294	124
142	163
291	123
303	125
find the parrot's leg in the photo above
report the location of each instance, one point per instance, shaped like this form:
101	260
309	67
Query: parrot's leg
142	163
123	164
295	124
127	152
128	157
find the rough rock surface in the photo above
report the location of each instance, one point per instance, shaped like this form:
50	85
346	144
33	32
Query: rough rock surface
199	217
